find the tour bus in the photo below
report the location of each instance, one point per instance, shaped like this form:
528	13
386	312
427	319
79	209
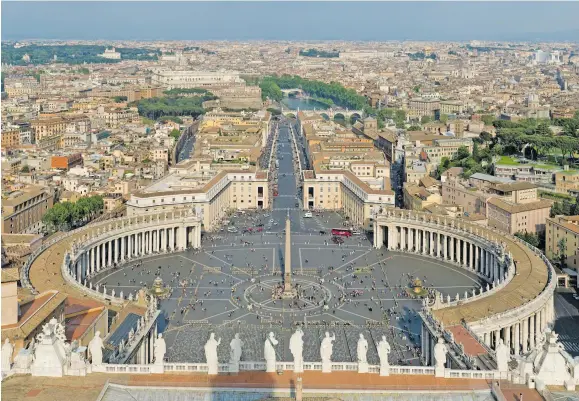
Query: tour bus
344	232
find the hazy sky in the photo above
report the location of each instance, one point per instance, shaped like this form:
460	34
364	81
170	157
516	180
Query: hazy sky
291	20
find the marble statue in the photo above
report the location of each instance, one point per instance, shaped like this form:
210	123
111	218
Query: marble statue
160	349
296	346
269	352
51	353
503	354
211	354
383	352
235	356
7	351
95	347
362	349
326	350
440	352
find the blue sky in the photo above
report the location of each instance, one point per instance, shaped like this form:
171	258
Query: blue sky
290	20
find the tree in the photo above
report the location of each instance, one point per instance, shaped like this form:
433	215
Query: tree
175	133
444	118
562	251
486	136
532	239
488	119
475	152
25	169
462	153
425	119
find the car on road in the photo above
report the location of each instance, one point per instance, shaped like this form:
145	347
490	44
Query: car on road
271	221
232	229
297	204
356	232
308	214
576	296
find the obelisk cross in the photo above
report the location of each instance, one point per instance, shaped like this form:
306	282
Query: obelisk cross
287	276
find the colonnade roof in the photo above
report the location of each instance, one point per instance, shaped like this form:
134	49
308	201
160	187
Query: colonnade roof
529	281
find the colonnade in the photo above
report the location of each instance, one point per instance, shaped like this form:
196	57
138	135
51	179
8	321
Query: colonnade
123	245
469	252
526	333
522	327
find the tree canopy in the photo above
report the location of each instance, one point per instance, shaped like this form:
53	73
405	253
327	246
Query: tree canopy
70	54
67	215
156	107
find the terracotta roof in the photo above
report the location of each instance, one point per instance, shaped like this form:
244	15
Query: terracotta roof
32	314
78	325
471	346
519	207
515	186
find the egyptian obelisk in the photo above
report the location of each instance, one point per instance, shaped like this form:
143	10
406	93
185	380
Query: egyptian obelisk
287	271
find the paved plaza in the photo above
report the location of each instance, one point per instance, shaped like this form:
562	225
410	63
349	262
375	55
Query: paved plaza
234	284
231	285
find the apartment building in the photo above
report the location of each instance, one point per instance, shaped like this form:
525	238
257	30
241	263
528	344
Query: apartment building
564	228
66	161
52	125
424	107
513	217
210	193
342	190
567	182
11	138
22	210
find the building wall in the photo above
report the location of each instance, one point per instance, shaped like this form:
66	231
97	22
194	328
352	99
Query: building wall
532	221
25	213
471	201
556	231
9	303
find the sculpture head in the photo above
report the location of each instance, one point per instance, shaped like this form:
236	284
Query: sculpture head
440	340
212	336
383	338
7	341
97	334
271	335
327	334
160	335
237	336
361	336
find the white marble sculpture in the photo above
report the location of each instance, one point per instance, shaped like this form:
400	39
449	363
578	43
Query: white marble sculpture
361	351
160	350
326	350
211	354
7	351
383	352
50	355
236	346
269	353
95	347
503	354
296	346
440	352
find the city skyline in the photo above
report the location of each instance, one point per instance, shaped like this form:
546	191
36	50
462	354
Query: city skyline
292	21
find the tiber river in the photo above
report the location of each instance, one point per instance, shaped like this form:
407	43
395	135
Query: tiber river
293	103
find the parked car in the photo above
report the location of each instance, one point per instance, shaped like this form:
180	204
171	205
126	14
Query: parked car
308	214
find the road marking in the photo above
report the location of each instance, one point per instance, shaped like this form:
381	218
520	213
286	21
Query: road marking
352	313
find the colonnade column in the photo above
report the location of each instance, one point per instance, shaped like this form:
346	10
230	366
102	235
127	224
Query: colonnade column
438	244
517	344
451	249
532	332
403	238
431	244
477	258
103	256
508	336
525	336
472	264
